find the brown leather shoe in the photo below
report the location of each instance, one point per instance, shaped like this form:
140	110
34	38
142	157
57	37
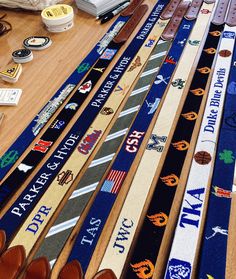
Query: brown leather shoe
71	270
12	261
37	269
105	274
2	240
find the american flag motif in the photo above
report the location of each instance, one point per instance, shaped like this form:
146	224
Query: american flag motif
113	182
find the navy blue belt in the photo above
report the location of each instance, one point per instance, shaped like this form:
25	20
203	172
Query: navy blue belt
13	218
44	144
85	243
151	235
214	245
31	131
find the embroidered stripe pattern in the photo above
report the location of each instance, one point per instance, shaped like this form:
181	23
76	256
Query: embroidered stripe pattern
31	131
43	145
65	148
190	217
156	219
50	169
104	201
126	225
67	175
53	243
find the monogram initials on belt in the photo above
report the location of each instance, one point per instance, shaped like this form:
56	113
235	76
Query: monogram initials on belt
191	213
85	119
118	247
42	147
35	126
119	169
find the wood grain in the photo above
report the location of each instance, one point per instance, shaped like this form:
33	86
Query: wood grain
50	67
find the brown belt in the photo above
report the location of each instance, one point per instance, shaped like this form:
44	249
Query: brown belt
5	26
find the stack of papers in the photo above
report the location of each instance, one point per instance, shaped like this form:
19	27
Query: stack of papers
97	7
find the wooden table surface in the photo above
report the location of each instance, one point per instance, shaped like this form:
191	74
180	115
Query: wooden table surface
42	77
50	67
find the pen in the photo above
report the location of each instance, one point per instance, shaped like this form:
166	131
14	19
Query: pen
111	10
113	13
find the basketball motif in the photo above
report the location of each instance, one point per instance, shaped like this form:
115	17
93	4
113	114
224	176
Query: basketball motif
202	157
225	53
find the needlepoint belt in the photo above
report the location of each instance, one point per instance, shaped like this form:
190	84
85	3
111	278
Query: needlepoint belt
117	249
68	144
190	217
31	131
43	145
115	178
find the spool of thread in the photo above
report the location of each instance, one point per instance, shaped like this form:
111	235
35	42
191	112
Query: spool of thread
58	18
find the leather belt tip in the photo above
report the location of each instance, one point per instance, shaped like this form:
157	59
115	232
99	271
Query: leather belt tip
131	8
129	27
167	37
